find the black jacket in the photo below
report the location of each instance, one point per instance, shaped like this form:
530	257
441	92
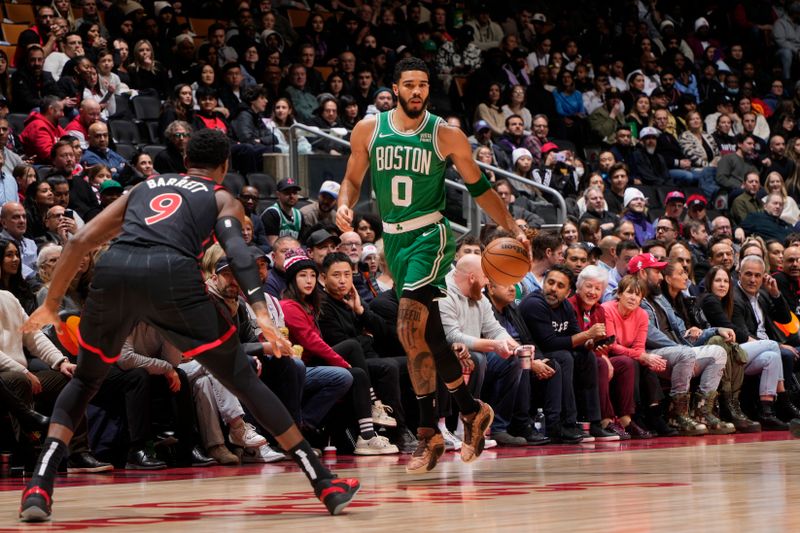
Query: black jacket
766	226
249	128
169	161
773	309
712	309
27	90
338	323
651	169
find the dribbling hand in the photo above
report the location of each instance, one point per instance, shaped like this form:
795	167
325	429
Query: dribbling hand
344	218
524	241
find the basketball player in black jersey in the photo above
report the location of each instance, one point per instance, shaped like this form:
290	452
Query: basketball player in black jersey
151	273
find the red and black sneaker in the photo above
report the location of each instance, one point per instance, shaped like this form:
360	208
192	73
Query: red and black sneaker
35	506
336	493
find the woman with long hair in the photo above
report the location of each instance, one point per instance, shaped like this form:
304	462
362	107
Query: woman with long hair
570	231
774	184
489	110
102	94
139	169
640	115
368	227
11	279
723	135
93	41
516	105
24	175
146	72
282	118
698	146
335	85
763	356
179	106
793	180
301	307
5	77
38	199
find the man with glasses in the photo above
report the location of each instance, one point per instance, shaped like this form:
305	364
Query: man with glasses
667	230
44	33
248	197
540	137
59	227
170	161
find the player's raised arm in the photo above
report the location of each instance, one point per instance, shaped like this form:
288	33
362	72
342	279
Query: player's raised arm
357	166
454	144
98	231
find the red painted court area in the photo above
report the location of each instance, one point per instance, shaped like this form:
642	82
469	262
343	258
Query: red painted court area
582	482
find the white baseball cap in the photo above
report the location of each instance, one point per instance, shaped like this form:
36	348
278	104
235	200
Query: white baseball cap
330	187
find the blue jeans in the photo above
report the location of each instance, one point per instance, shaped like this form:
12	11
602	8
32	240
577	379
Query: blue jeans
702	177
508	389
324	386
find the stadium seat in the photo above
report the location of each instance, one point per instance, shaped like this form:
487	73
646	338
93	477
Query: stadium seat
20	13
126	150
153	150
234	182
146	107
266	188
17	121
11	32
200	26
123	131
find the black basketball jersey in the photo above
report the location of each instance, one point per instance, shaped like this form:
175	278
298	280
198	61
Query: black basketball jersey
173	210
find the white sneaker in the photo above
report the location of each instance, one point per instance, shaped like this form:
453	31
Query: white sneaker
245	436
451	442
375	446
262	454
379	416
489	443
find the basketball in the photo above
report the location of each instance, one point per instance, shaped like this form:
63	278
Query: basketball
505	261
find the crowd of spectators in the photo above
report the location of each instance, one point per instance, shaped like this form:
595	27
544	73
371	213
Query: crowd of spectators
666	303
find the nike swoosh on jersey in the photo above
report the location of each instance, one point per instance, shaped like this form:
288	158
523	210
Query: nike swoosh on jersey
382	135
253	291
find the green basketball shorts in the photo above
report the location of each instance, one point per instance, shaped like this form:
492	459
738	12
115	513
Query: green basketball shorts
420	257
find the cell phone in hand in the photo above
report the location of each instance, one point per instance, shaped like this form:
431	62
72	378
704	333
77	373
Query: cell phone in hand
605	341
69	213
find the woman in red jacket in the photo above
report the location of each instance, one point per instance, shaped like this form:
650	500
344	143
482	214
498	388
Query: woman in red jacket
628	323
300	307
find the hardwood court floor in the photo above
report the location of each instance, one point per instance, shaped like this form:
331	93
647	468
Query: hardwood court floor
742	483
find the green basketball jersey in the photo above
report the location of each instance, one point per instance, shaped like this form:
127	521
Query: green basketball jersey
407	169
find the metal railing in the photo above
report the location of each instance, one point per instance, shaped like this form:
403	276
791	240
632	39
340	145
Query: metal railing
472	212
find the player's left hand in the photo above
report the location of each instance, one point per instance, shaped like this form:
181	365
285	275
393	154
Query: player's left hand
344	218
523	239
45	315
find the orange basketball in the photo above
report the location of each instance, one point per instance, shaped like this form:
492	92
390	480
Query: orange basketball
505	261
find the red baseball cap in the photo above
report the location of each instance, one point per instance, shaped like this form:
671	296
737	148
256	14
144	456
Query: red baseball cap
549	147
675	195
696	199
642	261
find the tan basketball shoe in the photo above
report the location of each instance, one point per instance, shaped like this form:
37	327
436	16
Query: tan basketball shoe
430	446
474	432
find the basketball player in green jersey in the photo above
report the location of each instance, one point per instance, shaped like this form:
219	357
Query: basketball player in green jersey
405	150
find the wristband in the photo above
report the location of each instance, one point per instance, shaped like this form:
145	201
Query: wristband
479	187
